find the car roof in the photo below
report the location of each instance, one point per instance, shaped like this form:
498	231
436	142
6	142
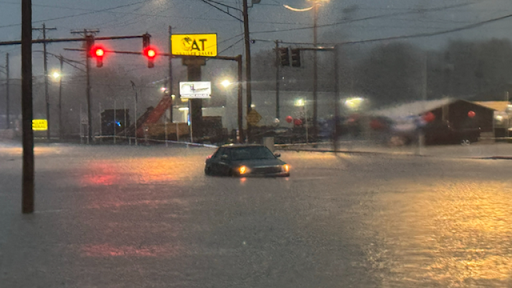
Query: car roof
241	145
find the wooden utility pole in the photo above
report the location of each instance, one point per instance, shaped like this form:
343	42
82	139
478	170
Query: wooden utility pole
61	59
247	64
315	74
7	104
27	197
170	82
45	65
278	70
89	40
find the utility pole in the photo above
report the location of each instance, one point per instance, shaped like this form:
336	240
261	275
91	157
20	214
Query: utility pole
247	64
315	73
336	100
7	91
89	39
61	59
278	70
241	133
170	88
27	184
45	62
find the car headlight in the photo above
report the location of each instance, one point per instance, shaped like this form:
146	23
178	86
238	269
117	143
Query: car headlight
243	170
286	168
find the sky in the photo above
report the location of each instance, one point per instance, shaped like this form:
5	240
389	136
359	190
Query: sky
339	21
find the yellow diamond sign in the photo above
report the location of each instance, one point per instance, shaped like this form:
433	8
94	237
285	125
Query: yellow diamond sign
194	44
39	125
253	117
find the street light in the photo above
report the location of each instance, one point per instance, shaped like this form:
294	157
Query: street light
225	83
314	7
354	103
56	75
302	103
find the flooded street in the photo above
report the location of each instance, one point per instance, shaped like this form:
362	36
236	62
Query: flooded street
148	217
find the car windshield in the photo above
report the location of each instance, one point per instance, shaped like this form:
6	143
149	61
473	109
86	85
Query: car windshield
247	153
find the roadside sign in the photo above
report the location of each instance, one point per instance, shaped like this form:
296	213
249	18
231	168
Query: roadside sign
194	44
253	117
195	89
39	124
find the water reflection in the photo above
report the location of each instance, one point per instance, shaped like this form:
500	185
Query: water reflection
450	235
137	170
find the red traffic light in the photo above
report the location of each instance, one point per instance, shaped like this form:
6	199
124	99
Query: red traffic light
150	53
99	52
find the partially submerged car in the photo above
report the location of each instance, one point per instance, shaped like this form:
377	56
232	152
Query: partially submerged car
245	160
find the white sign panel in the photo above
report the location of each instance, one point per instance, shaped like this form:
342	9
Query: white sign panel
196	90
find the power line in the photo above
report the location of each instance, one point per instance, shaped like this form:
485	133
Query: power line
420	35
77	15
227	48
225	12
420	11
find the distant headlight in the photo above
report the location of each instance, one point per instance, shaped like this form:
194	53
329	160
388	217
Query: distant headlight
243	170
286	168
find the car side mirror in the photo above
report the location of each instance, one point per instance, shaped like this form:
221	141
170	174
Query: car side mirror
277	155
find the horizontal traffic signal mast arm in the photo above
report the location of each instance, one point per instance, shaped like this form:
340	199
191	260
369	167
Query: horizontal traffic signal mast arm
159	54
38	41
317	49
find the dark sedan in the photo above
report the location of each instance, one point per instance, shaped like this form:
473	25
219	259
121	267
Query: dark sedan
245	160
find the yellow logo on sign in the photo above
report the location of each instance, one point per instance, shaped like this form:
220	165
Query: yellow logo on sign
39	124
194	45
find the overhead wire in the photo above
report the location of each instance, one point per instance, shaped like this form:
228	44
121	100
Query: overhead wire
76	15
368	18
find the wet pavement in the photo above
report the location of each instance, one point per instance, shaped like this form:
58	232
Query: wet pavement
478	150
148	217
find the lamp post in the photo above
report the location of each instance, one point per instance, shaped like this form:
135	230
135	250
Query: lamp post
226	83
314	8
302	103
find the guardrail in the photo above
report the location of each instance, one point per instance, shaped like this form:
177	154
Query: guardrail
146	140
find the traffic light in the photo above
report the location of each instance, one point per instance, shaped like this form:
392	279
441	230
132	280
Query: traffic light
295	55
98	53
150	53
146	38
284	57
147	50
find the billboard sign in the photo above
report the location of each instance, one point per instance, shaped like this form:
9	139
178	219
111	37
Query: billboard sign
194	45
196	89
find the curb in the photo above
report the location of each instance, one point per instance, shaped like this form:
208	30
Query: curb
398	153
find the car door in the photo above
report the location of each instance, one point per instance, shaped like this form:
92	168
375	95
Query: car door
224	162
221	162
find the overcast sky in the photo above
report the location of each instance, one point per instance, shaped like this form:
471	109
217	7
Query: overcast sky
339	21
